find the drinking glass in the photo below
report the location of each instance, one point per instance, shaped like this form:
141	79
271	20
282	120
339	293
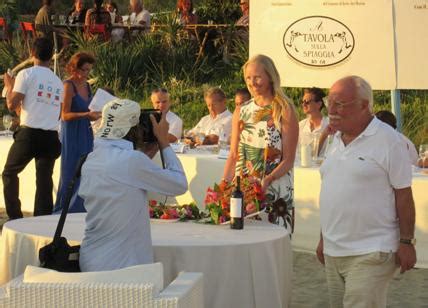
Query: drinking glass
315	147
70	19
201	137
423	155
7	123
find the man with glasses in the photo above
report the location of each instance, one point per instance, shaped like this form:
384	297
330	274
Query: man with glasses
312	126
245	8
160	100
366	203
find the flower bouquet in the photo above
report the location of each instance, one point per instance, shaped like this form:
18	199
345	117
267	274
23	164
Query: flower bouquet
217	199
184	212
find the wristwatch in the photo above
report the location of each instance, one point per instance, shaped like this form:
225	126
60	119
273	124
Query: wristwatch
406	241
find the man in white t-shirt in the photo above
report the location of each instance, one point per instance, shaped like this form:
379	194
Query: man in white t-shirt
160	100
366	203
218	122
37	92
139	16
313	125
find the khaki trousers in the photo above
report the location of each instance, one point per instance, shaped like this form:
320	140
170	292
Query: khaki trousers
359	281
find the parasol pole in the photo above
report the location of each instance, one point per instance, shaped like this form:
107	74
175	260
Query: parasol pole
395	107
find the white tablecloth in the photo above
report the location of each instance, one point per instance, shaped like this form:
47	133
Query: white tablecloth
203	169
248	268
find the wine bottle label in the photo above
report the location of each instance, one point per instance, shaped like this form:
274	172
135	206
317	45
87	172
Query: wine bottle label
236	207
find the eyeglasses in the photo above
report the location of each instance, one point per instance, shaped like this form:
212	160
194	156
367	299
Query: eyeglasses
338	104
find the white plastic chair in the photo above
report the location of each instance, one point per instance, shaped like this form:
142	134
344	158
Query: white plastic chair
186	291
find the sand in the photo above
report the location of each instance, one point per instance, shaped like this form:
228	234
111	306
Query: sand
409	290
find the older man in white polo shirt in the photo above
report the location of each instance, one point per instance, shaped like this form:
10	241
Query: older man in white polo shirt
217	123
160	100
366	204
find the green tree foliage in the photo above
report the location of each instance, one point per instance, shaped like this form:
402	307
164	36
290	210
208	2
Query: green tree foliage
187	62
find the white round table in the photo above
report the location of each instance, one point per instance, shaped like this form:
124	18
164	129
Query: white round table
245	268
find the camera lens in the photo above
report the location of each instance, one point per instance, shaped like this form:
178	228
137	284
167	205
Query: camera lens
146	123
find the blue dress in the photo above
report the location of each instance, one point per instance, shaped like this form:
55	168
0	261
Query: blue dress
76	139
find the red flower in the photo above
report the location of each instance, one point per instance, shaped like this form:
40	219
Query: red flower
250	208
165	216
172	212
224	204
152	202
211	196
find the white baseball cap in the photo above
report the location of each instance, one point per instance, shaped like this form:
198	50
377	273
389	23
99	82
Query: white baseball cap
118	116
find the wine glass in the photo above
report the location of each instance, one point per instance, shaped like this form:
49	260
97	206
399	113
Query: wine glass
7	123
423	154
201	137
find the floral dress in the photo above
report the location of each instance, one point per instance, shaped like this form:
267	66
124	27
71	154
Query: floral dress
260	151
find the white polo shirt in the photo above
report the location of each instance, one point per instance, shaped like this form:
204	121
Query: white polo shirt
213	126
411	149
357	201
305	131
175	124
43	92
144	15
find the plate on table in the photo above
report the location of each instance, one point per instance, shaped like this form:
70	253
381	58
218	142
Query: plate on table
158	220
208	148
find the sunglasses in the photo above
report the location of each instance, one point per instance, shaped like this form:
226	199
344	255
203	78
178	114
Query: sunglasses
306	103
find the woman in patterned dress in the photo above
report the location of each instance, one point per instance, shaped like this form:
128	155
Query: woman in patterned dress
265	133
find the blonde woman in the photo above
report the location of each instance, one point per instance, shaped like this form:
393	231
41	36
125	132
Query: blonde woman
265	133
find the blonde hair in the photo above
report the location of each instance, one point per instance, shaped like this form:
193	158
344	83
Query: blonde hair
281	103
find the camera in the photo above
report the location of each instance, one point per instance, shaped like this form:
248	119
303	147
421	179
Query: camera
146	125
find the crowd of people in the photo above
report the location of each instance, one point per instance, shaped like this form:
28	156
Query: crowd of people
107	13
367	229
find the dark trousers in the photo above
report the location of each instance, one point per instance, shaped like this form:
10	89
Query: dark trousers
45	148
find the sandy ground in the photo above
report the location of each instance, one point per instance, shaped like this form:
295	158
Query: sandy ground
409	290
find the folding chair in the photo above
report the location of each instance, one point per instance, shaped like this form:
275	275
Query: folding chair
28	32
3	30
98	30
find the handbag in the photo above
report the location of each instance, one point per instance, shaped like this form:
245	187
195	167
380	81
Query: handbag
59	255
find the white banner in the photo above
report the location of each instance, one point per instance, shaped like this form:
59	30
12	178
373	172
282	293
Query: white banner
316	42
412	43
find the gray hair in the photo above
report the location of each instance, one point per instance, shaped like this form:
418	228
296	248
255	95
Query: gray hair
363	90
215	92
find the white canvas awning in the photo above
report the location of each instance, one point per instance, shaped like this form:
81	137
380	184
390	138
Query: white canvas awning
316	42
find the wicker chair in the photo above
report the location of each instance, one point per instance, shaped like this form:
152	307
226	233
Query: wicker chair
185	291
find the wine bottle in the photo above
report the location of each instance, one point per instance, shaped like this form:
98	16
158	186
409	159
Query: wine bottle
237	207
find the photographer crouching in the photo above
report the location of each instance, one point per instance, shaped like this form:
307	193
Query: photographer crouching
114	184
